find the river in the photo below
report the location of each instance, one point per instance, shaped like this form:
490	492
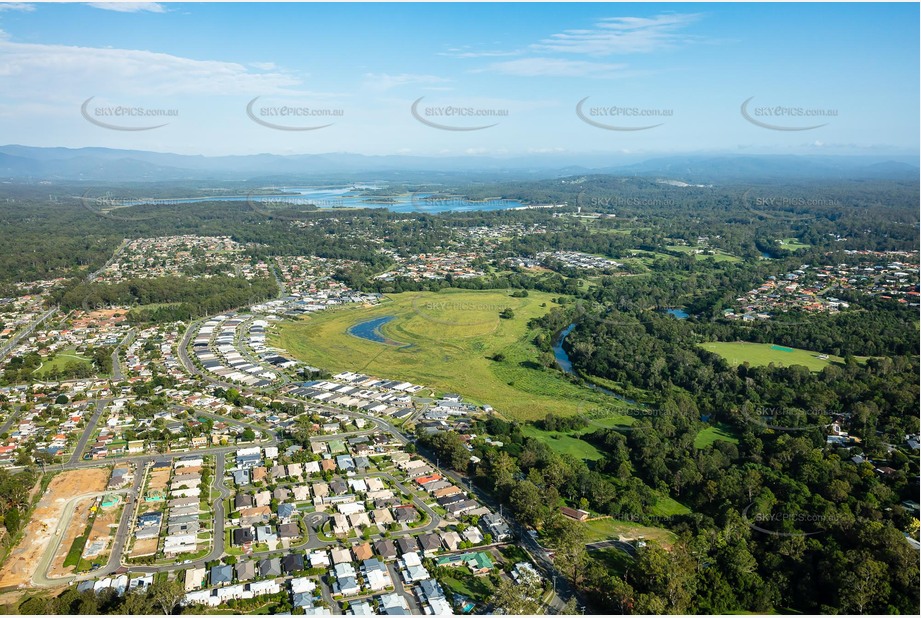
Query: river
564	363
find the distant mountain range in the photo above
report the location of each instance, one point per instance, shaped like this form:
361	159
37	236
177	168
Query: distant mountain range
26	163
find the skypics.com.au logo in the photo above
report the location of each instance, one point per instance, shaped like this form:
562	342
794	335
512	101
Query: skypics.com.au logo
767	523
125	117
291	117
455	117
780	116
592	115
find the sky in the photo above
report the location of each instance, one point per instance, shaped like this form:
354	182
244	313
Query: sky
462	79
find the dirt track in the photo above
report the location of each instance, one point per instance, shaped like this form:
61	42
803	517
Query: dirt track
19	567
76	528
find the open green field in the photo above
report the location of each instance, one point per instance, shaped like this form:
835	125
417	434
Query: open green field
791	244
448	340
563	443
62	359
570	443
706	437
604	529
761	354
645	257
718	255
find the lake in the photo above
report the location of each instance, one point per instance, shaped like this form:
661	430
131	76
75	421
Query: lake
371	330
343	197
681	314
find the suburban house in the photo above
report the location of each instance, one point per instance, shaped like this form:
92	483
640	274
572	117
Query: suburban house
411	568
340	524
242	536
341	556
478	562
496	526
382	517
431	543
362	551
221	574
405	514
359	520
245	570
376	575
265	534
407	544
255	515
385	549
263	498
292	563
194	579
458	508
269	567
577	514
286	511
451	540
473	535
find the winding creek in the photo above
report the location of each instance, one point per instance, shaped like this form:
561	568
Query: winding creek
564	363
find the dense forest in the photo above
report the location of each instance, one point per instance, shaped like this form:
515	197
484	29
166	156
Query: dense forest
187	298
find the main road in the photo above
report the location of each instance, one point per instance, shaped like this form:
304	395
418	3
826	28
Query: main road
117	373
90	427
12	343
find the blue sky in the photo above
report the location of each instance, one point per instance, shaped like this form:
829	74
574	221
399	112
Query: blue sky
688	67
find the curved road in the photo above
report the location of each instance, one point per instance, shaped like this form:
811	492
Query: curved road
39	578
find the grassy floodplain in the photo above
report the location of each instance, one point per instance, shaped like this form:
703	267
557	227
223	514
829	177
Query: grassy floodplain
447	341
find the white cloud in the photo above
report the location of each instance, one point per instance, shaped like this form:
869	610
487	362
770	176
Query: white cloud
129	7
466	52
386	81
80	72
622	35
554	67
17	6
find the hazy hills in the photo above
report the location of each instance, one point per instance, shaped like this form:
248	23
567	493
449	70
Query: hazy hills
25	163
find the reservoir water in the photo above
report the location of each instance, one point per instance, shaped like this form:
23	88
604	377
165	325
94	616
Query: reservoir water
681	314
371	330
342	197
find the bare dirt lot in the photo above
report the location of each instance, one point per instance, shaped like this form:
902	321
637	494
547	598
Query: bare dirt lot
76	528
159	479
19	567
144	547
